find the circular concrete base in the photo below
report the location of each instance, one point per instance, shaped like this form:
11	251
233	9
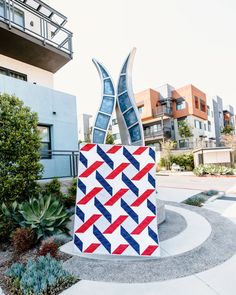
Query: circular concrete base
161	215
193	251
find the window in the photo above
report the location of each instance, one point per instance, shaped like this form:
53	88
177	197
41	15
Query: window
13	74
202	105
141	109
209	126
45	134
208	110
198	124
16	15
180	104
196	102
183	143
114	122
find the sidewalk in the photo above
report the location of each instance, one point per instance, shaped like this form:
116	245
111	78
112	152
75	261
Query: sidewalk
219	280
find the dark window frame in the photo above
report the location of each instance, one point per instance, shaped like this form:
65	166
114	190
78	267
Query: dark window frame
180	104
47	155
9	71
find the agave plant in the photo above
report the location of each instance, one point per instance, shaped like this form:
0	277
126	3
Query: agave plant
45	215
12	213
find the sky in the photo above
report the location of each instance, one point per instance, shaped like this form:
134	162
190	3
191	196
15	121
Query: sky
178	42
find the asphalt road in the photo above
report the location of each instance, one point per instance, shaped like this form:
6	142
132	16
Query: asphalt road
197	183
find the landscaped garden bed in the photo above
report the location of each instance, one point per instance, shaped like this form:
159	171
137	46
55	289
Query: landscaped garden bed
213	170
199	199
32	232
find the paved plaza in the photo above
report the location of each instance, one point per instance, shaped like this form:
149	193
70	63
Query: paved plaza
198	255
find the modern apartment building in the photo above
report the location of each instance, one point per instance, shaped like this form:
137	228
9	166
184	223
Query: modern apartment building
85	125
164	108
35	45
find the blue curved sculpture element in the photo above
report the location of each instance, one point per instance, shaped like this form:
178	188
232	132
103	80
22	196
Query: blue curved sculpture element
106	108
130	125
129	122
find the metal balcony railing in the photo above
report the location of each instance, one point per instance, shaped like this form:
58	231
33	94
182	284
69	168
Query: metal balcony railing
165	132
161	111
39	20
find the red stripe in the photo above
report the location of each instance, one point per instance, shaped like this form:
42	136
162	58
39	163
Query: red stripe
143	225
115	224
90	195
142	198
149	250
116	197
88	223
143	172
87	147
114	149
120	249
117	171
91	248
91	169
140	150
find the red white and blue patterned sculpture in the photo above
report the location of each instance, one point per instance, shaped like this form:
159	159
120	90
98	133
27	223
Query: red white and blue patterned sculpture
116	197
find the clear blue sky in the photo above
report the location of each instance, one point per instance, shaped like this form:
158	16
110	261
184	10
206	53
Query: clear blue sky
178	42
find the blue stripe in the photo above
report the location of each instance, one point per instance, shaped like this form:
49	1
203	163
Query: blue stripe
82	186
105	157
153	235
80	213
83	160
131	158
151	180
103	210
130	240
129	211
104	183
130	184
152	154
102	239
78	243
151	207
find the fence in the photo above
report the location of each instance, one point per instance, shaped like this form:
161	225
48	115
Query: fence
59	163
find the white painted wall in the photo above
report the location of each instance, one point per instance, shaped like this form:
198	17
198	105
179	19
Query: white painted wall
34	74
213	157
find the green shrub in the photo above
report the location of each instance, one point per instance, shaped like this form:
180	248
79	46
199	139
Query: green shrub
73	188
195	201
211	169
52	188
184	160
19	150
69	200
41	276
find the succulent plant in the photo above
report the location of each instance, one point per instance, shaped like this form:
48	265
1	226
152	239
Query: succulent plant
41	276
45	215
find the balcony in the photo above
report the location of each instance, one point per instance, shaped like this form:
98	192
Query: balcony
162	111
34	33
154	135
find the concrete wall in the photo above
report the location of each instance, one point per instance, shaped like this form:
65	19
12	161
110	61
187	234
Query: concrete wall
34	74
213	157
45	101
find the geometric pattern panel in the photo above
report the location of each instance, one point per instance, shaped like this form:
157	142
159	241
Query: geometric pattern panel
116	201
